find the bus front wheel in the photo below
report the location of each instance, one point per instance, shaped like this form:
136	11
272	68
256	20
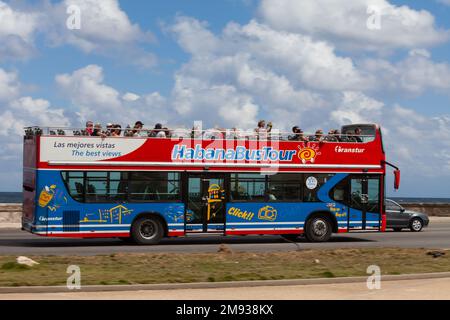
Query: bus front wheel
147	230
318	229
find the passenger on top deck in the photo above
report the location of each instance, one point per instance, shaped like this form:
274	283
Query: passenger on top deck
138	130
89	129
109	129
298	135
116	131
332	136
357	135
347	136
97	132
262	130
158	131
318	137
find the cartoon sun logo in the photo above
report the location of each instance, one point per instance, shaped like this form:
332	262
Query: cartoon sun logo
308	153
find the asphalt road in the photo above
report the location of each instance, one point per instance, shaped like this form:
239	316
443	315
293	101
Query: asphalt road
16	242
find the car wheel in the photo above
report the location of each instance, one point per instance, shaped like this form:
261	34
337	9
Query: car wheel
318	229
416	225
397	229
147	230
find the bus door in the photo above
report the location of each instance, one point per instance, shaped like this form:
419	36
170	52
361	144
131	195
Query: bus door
364	208
205	203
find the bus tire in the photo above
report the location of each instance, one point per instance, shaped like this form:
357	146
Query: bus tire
147	230
318	229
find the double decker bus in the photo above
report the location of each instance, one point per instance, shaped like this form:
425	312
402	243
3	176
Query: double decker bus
144	189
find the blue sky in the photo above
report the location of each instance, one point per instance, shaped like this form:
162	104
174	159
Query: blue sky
314	63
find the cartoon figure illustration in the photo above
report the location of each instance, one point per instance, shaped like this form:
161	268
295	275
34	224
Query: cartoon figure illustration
46	195
51	198
267	213
215	198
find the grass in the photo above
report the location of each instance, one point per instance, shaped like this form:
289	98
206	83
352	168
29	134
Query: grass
213	267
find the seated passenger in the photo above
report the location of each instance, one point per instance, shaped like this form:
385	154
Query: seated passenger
128	132
337	134
138	130
89	129
116	131
357	135
167	133
97	132
109	129
298	135
156	131
318	137
331	137
347	136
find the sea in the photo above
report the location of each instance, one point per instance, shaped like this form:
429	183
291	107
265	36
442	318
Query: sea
16	197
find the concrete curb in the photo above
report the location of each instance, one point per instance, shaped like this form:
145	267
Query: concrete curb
209	285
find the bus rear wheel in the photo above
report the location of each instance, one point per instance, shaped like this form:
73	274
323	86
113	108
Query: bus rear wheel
318	229
147	230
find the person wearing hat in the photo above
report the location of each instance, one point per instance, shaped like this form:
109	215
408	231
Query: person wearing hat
158	131
137	129
109	129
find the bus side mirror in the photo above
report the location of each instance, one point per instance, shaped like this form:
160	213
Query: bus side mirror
396	179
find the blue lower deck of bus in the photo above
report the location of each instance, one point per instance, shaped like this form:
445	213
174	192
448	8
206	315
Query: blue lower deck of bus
63	214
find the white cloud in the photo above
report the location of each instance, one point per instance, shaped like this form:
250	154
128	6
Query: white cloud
9	85
105	30
345	23
17	112
85	90
414	75
92	99
17	30
129	96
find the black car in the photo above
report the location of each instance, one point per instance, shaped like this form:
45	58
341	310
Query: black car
399	218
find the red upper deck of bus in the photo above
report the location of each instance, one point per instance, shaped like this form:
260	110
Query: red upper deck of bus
47	151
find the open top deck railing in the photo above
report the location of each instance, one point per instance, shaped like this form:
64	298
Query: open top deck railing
208	134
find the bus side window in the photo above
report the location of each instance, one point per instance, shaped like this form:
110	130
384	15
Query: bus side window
338	194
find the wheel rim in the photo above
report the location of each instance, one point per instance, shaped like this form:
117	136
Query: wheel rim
416	225
147	229
319	227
